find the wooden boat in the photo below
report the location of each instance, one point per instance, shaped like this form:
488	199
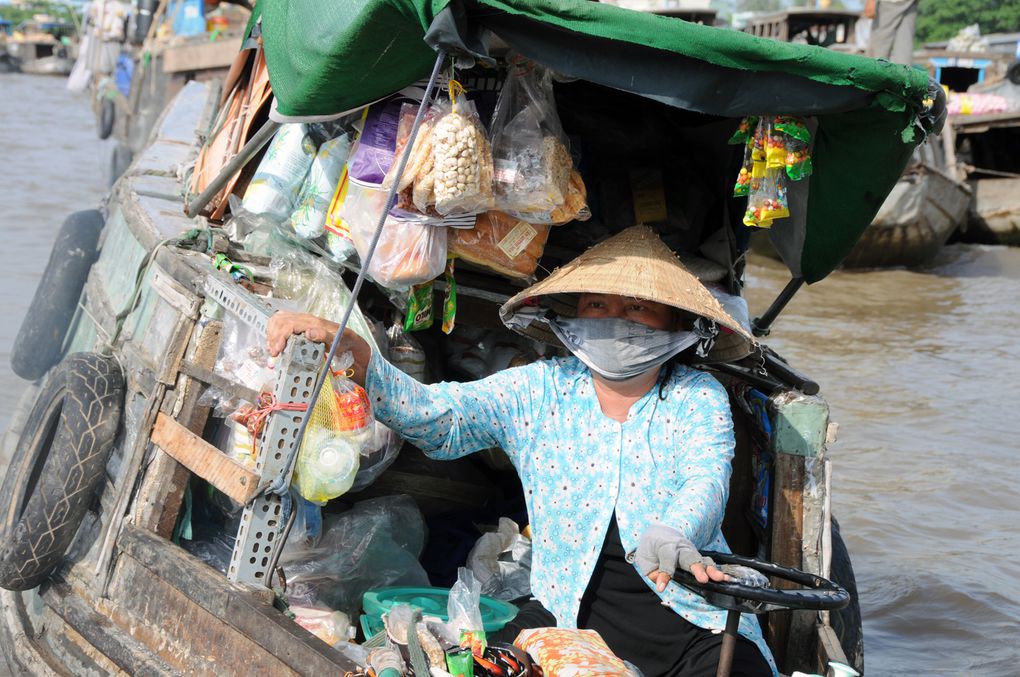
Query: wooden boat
102	587
986	146
39	48
924	208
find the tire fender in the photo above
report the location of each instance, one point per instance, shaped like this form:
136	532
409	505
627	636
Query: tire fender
107	112
41	336
58	466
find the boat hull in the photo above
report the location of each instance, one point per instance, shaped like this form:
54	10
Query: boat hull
914	222
994	214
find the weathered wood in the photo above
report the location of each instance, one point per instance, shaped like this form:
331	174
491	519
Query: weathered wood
201	56
102	634
205	460
162	492
271	634
829	648
206	375
787	531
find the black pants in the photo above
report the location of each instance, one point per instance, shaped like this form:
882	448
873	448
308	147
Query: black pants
700	656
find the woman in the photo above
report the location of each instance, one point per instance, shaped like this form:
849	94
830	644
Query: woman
618	451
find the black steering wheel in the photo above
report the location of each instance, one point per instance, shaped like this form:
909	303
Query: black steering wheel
818	594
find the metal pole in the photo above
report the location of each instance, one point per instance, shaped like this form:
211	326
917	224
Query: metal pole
247	152
762	325
282	481
729	644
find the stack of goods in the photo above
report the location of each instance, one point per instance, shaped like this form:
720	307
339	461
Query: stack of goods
962	103
488	198
776	150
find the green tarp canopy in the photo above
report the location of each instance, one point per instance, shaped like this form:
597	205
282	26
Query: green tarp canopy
330	56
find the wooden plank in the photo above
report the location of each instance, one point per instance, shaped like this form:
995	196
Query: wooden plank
829	648
201	56
787	533
205	460
162	492
273	634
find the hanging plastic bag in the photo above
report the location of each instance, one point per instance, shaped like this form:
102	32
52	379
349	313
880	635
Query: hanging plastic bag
405	353
330	455
273	190
309	217
501	243
407	254
462	158
530	154
798	139
767	200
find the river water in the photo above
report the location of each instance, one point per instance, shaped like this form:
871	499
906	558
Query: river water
921	369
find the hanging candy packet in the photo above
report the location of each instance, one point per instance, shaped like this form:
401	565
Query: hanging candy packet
450	304
419	307
775	146
797	140
767	200
745	130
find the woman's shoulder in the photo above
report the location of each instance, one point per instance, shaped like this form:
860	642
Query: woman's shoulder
688	379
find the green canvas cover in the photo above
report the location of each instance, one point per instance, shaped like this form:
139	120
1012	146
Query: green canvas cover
330	57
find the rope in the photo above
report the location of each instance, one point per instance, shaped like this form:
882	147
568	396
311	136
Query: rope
255	418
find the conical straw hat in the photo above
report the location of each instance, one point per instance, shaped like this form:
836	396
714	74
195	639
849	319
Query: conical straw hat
634	263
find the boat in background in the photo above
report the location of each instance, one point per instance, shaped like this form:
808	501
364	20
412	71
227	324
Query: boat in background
42	46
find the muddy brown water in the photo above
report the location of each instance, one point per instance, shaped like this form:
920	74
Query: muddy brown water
921	369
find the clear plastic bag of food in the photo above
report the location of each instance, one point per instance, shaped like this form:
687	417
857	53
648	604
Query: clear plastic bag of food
797	140
501	243
531	156
462	158
408	253
309	217
767	200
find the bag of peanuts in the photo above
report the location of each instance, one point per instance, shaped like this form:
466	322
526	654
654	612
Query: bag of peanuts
530	154
461	158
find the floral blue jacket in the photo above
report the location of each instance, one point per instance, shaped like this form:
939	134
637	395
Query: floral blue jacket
668	463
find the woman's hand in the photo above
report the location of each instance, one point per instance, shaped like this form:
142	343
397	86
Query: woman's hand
662	549
285	324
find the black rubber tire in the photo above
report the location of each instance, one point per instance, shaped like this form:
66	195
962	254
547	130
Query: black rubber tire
40	339
107	112
120	160
1013	72
59	464
846	622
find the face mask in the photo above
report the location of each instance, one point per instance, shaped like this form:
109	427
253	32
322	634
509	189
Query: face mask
618	349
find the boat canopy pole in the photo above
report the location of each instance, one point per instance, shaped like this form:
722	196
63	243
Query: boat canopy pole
761	326
247	152
281	484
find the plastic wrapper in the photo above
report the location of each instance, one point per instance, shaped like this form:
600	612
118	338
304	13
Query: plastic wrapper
374	545
563	651
797	140
462	159
215	551
309	217
530	154
373	153
575	208
746	575
332	627
277	182
501	243
420	161
407	253
501	561
243	359
405	353
463	607
767	200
